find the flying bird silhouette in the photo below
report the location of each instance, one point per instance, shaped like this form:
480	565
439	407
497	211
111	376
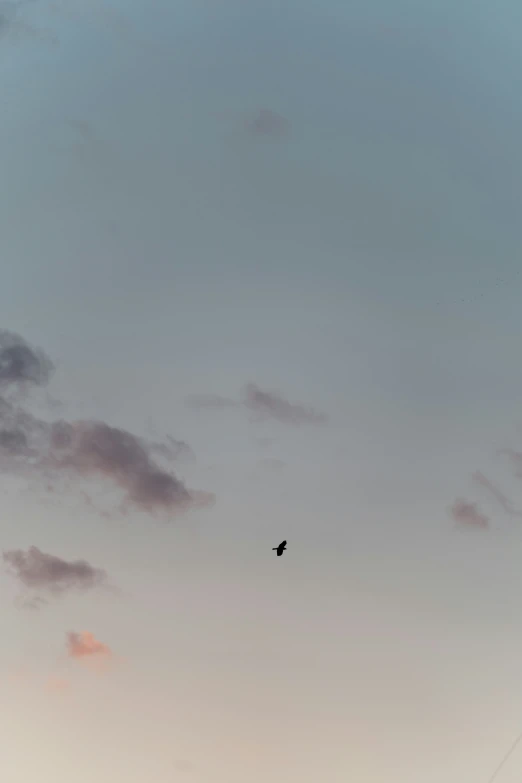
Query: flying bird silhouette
280	549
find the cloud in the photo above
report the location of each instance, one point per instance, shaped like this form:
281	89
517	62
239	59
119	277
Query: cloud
266	468
20	364
468	515
38	570
96	449
85	645
272	465
263	404
171	449
22	438
50	683
22	368
515	459
499	496
82	449
31	603
8	14
270	404
268	123
265	442
14	441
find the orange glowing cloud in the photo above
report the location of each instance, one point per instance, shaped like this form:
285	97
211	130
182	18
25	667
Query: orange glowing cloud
85	645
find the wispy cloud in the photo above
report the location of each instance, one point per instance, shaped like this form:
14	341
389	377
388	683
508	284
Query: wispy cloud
32	603
515	458
264	404
499	496
468	514
270	466
268	123
271	404
171	449
14	27
36	681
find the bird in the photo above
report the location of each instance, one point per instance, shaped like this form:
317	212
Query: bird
280	549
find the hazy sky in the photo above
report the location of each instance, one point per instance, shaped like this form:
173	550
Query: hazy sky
273	251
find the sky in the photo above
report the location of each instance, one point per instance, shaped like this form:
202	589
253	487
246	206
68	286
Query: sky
261	280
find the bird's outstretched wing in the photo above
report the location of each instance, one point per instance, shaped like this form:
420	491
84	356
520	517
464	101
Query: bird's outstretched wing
283	543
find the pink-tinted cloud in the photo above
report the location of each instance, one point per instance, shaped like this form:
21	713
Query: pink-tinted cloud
468	515
34	682
42	571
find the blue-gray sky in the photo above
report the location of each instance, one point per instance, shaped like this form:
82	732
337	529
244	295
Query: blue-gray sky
360	255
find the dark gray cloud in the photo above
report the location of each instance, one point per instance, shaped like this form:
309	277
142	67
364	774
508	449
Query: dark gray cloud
14	441
49	450
270	404
468	515
499	496
41	571
22	367
20	364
